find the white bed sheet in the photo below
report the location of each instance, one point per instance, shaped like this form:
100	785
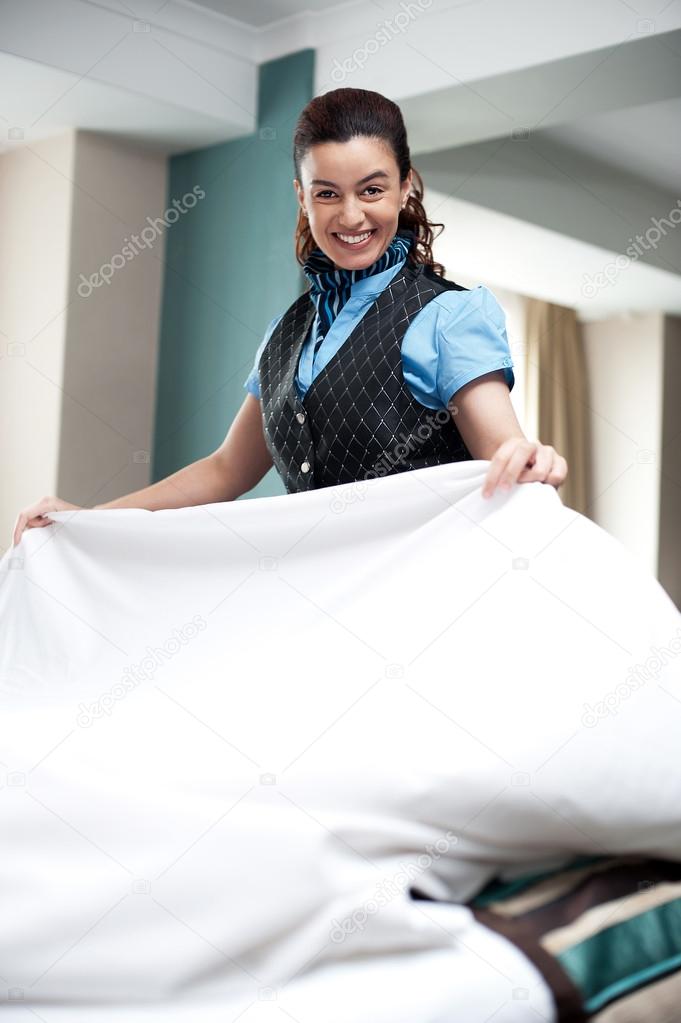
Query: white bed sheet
234	735
476	975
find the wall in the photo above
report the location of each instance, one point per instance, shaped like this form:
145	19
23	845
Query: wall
78	366
669	464
109	377
230	269
35	211
625	365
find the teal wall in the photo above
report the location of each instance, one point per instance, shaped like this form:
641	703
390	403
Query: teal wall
230	267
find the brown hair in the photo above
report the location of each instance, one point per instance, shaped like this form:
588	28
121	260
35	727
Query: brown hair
342	114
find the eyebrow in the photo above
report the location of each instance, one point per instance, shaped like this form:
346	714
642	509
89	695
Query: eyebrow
375	174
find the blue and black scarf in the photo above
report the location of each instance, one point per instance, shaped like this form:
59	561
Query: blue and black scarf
331	287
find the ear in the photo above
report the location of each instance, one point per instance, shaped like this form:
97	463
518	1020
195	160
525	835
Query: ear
407	186
299	192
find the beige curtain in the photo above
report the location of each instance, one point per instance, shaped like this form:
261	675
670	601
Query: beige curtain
557	393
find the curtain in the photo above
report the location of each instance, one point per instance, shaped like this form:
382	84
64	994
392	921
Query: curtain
557	393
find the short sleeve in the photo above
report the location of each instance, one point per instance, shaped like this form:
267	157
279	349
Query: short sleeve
471	341
252	381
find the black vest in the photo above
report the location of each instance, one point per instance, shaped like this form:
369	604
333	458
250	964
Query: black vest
358	419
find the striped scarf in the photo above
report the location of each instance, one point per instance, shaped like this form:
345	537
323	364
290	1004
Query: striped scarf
330	288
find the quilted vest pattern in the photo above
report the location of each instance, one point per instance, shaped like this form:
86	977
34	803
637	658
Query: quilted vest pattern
358	419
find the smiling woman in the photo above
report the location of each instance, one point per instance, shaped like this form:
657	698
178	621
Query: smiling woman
350	374
382	365
360	217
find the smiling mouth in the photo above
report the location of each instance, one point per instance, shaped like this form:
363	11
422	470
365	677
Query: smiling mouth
355	239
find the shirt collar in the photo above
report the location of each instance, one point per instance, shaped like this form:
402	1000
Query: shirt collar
376	283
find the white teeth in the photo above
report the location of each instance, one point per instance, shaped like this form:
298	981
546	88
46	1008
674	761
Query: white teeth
354	239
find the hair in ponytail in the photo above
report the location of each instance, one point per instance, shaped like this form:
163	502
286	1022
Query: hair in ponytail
341	115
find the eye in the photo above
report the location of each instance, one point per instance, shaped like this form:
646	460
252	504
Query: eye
374	189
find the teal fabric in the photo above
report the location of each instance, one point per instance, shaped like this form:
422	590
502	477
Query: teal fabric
626	956
619	957
497	891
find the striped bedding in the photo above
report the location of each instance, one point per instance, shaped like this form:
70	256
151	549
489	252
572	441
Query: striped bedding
604	932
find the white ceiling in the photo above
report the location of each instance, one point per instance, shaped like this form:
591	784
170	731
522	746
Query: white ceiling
29	90
600	82
259	13
643	140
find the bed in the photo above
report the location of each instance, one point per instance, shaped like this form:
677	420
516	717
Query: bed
277	758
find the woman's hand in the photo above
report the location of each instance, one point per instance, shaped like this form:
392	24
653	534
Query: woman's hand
34	516
483	413
519	460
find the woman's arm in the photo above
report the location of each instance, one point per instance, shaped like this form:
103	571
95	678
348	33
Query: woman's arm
486	420
201	482
243	456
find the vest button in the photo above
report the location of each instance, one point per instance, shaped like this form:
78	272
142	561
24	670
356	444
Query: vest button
300	416
305	467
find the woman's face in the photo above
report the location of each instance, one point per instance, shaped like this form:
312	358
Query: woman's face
350	189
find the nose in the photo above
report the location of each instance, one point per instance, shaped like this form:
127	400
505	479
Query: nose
351	216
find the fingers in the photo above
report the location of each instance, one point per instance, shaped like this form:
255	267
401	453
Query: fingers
558	472
519	461
18	529
554	473
509	462
26	521
34	517
542	468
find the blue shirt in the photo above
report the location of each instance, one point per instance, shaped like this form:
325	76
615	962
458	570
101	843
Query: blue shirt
456	337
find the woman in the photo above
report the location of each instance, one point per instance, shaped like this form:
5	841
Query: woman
383	365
